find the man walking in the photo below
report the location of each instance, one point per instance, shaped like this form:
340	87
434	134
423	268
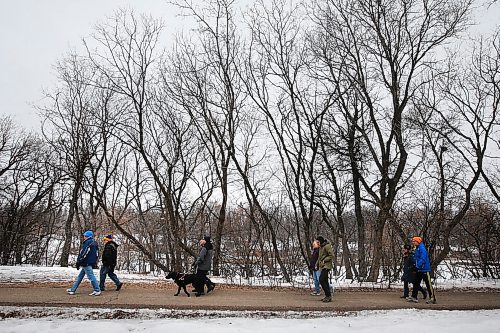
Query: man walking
325	264
109	255
314	269
203	265
87	259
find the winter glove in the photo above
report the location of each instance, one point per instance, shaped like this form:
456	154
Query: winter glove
77	266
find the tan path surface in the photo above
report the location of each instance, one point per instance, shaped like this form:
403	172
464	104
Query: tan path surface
234	298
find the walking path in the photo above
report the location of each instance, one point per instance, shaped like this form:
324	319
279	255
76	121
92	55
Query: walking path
140	296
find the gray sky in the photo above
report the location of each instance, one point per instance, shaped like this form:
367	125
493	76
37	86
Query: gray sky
34	34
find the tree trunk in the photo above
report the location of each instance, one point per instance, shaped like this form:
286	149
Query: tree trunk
377	249
68	230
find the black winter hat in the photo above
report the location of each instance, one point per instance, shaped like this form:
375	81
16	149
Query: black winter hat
207	239
320	239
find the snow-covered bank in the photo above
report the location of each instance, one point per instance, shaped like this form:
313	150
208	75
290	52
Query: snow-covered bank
75	320
34	274
80	320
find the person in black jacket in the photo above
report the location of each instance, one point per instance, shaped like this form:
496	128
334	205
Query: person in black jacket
409	272
109	262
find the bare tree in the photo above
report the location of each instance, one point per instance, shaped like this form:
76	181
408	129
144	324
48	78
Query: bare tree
124	52
386	46
67	127
462	111
280	86
14	146
28	179
204	80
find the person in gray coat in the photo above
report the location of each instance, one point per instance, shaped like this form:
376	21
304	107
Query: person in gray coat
203	264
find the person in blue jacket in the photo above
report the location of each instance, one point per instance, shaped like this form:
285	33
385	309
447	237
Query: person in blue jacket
87	260
423	266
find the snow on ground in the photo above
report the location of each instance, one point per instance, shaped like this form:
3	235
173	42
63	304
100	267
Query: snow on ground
75	320
410	320
27	274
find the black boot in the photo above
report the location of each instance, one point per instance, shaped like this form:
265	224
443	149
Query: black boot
210	287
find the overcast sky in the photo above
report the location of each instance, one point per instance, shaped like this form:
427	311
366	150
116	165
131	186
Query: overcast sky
34	34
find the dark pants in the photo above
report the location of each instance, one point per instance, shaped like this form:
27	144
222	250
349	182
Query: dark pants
416	284
200	280
323	281
106	270
406	289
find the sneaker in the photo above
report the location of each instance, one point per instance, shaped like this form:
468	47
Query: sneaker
316	293
118	287
327	299
414	300
70	292
210	287
431	301
95	293
406	297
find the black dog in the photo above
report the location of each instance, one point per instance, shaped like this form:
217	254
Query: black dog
182	280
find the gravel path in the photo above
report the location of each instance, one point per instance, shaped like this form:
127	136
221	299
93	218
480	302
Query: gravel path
224	298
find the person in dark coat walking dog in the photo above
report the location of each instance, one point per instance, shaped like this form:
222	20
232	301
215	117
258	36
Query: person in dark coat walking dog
109	255
409	272
203	265
87	260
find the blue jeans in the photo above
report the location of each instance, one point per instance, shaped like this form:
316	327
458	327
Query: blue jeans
90	275
106	270
316	275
